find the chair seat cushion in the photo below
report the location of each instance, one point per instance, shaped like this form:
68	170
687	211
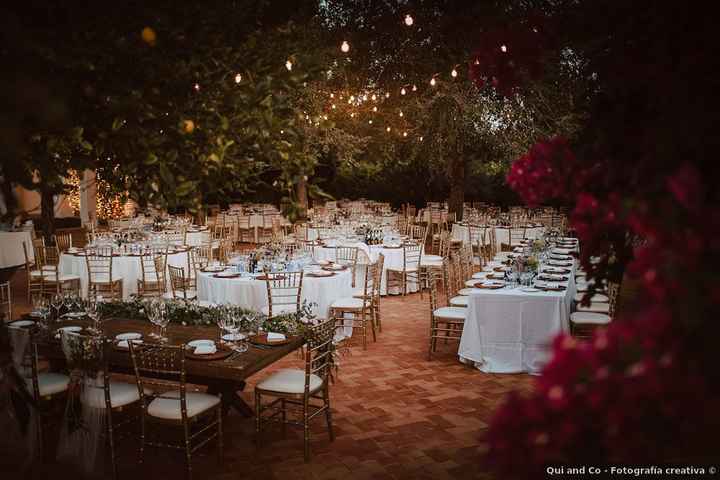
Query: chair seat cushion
169	408
349	302
400	269
432	258
49	383
121	394
280	309
64	277
459	301
455	313
105	279
466	291
595	307
589	318
289	381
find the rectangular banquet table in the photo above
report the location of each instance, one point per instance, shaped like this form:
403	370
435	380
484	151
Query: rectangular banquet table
509	330
220	376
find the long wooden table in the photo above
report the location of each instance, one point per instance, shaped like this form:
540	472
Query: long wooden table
226	376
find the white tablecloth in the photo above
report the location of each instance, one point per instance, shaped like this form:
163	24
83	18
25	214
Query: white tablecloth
250	293
195	239
393	258
125	266
502	234
509	331
11	250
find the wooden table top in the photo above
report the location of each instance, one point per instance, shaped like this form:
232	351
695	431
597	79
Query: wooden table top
237	369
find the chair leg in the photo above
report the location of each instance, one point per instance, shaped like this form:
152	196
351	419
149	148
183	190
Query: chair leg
111	441
306	429
328	414
188	453
142	437
258	413
220	434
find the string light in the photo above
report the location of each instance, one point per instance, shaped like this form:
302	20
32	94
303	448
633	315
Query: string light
401	114
325	117
477	61
332	95
454	72
374	109
503	48
374	97
352	114
404	134
421	139
414	88
333	106
370	121
289	65
387	129
433	82
387	94
409	20
238	78
196	87
345	47
402	91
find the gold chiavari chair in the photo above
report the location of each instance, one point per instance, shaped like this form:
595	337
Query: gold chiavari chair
34	276
446	322
53	281
245	233
379	266
63	241
347	256
301	388
38	242
360	308
152	283
265	232
48	389
101	280
584	322
196	414
5	302
225	249
284	291
99	391
516	237
456	282
180	286
410	270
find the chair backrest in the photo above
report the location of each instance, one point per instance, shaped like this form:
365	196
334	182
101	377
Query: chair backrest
152	266
5	302
178	282
47	258
284	290
411	256
434	280
613	290
243	222
163	361
25	357
319	353
379	266
63	241
346	255
28	264
99	266
88	354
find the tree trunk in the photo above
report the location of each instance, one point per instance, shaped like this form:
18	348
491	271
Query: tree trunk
457	188
302	196
47	213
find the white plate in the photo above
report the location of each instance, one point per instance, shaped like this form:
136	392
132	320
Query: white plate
323	262
197	343
124	343
74	315
226	274
493	283
128	336
214	269
36	314
529	289
480	275
22	323
322	273
71	328
234	337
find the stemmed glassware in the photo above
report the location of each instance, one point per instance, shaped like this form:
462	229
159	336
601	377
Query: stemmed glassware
152	314
40	305
163	319
56	302
93	311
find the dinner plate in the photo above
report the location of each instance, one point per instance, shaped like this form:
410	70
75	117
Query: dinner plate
234	337
128	336
226	274
530	289
124	344
213	269
75	315
197	343
35	314
320	274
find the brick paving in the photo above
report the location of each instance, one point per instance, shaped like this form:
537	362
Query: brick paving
396	415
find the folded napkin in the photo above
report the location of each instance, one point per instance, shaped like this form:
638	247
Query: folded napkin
275	337
205	349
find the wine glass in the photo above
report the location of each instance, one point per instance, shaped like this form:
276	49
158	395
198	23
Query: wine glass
93	311
163	319
233	325
151	310
56	301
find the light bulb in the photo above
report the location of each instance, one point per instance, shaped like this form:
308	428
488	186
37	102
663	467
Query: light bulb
401	114
374	109
288	65
421	139
238	78
387	94
364	97
196	87
402	91
370	121
414	88
374	97
387	129
333	106
409	20
503	48
453	73
477	61
352	114
345	47
325	117
433	81
332	95
404	134
352	98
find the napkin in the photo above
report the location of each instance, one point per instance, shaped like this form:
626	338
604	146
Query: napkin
205	349
275	337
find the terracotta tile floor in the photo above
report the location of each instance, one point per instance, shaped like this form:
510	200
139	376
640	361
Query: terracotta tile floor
396	415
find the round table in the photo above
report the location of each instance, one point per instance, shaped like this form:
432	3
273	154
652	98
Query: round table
125	266
250	293
369	254
11	250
